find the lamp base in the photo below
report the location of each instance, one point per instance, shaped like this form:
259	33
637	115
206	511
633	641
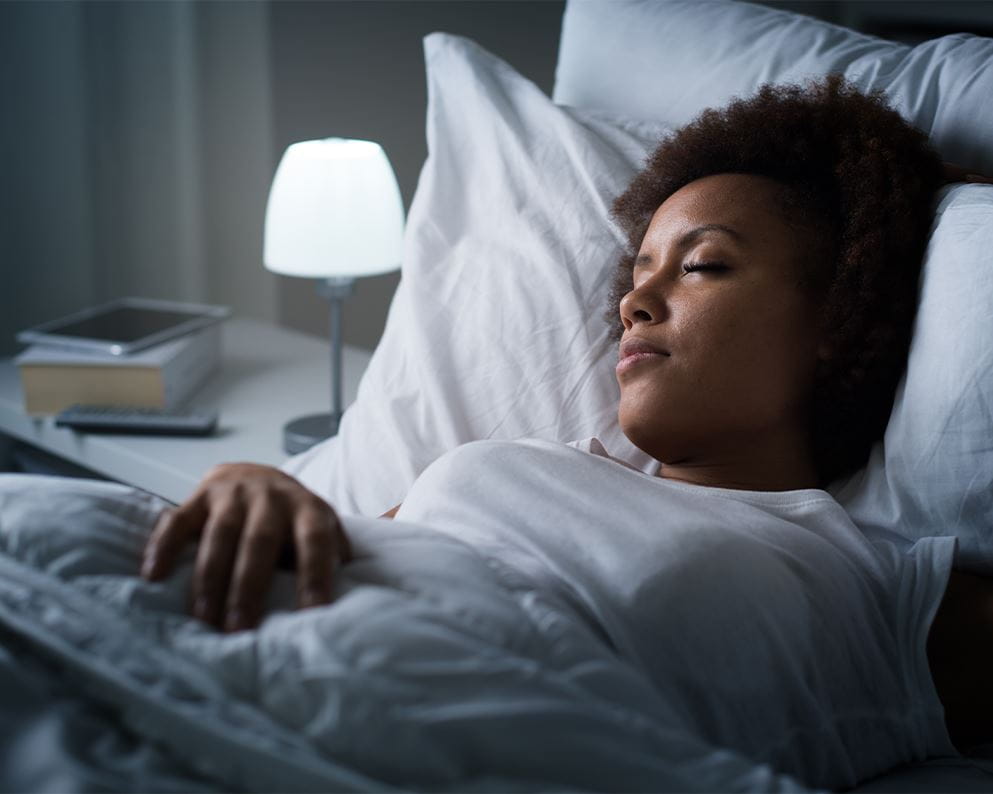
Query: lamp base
302	433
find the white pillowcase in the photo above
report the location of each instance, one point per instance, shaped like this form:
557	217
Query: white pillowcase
670	59
496	329
933	474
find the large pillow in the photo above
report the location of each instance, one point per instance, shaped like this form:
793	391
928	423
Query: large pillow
496	329
670	59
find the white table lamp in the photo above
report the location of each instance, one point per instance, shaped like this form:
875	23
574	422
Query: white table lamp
334	214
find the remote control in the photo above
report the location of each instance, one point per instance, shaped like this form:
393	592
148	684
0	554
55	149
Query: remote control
143	421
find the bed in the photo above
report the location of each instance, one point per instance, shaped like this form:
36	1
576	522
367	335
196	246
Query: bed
107	684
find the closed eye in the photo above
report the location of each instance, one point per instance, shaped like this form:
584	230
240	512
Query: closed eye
693	267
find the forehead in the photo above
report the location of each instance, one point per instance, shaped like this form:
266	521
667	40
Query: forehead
744	202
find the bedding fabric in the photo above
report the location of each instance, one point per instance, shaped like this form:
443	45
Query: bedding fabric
637	659
666	60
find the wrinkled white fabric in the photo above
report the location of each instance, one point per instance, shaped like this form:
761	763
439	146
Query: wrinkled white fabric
667	60
537	618
766	621
434	669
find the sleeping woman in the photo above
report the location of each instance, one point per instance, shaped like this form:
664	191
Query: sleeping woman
764	315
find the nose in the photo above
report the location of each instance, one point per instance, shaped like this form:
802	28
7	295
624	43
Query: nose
643	304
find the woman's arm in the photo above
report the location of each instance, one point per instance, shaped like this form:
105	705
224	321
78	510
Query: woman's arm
960	654
391	513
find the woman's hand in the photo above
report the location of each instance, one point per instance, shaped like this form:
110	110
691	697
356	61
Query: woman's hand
248	518
956	173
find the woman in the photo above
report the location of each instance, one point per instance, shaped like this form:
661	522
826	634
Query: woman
764	318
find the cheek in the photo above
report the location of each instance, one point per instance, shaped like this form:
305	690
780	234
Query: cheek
780	354
712	338
757	352
744	360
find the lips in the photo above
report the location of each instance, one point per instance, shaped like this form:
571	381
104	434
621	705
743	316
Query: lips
635	345
634	351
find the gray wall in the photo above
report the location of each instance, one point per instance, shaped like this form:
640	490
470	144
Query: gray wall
135	153
356	69
45	212
138	139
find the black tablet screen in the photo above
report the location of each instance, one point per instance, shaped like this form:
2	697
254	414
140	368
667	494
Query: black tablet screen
123	324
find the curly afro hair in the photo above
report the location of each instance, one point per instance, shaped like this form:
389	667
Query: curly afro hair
859	181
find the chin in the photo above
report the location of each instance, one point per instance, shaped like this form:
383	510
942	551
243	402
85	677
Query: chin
648	437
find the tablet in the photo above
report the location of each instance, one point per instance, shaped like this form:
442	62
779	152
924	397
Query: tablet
124	326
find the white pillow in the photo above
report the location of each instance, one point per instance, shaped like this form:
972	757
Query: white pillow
670	59
496	329
933	473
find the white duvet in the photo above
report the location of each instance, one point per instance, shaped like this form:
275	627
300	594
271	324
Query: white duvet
537	618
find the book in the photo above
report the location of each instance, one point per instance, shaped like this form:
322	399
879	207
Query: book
162	376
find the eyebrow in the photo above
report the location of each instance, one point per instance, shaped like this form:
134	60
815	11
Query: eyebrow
694	234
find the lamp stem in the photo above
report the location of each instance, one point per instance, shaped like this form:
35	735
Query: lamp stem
335	363
336	289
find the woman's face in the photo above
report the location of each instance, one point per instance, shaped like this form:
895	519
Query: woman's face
717	291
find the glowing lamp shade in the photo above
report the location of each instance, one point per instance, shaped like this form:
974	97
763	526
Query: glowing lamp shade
334	210
334	214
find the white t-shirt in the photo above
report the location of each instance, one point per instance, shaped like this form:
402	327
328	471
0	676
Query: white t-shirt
768	622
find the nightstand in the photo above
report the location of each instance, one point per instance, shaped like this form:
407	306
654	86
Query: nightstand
268	375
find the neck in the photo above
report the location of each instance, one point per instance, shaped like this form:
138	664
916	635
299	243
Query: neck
778	465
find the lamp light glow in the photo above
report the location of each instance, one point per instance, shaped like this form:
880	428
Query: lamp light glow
334	210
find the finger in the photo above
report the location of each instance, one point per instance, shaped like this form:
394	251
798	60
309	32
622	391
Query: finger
319	552
175	528
979	179
149	554
261	542
215	560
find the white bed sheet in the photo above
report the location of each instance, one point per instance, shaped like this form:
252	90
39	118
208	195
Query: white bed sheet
112	682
